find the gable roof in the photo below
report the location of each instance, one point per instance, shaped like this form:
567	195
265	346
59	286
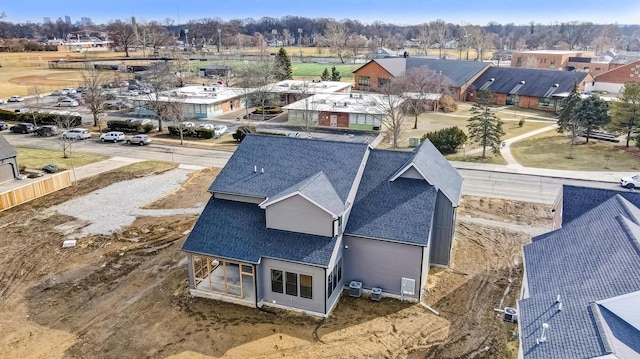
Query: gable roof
618	323
6	150
459	72
537	83
317	189
435	169
288	161
237	231
592	258
398	211
577	200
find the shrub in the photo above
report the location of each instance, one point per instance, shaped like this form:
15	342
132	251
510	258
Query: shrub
124	126
447	104
191	132
447	140
242	131
521	122
146	128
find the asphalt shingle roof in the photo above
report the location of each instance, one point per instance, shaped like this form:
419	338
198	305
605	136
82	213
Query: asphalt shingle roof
398	211
594	257
459	72
537	83
237	231
287	161
6	150
577	200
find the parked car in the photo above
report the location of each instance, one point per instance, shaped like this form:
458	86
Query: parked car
630	182
69	91
15	99
131	93
219	130
21	110
141	121
207	126
1	101
187	124
140	140
67	102
59	93
76	134
112	136
47	130
3	126
117	105
23	127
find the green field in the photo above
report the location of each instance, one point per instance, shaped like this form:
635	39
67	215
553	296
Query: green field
315	70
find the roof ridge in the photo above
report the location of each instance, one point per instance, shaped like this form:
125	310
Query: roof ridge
601	327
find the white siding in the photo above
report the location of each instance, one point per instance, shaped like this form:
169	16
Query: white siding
412	173
315	304
297	214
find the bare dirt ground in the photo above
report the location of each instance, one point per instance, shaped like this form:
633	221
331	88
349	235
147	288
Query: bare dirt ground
126	295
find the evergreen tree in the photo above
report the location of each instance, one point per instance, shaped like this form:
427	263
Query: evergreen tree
566	114
335	74
282	66
326	76
484	126
592	113
625	114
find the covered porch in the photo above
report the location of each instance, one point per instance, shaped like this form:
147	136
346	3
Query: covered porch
225	280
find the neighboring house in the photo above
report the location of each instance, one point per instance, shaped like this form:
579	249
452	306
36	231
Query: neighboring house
293	221
383	53
546	59
205	101
528	88
375	73
357	111
581	286
8	164
294	90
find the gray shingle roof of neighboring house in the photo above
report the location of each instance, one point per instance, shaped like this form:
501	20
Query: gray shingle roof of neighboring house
237	231
287	161
399	211
537	83
318	189
428	161
577	200
618	323
592	258
6	150
459	72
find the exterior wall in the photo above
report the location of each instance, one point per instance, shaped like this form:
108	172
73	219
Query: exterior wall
363	121
296	214
594	68
443	229
342	119
8	169
265	295
374	71
626	73
335	295
545	60
412	173
237	198
382	264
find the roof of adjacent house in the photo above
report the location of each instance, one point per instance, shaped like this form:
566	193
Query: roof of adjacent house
397	211
6	150
576	200
594	258
264	166
237	231
529	82
459	72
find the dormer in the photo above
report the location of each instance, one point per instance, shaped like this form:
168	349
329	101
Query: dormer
310	206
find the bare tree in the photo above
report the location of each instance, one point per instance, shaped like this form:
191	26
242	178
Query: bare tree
356	43
93	81
173	110
160	79
578	34
35	107
122	34
335	36
308	116
255	79
152	35
440	31
421	84
390	102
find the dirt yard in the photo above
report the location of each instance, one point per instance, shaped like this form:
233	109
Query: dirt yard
125	295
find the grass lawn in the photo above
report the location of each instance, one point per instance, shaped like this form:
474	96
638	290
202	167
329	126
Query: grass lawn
315	69
477	158
551	150
38	158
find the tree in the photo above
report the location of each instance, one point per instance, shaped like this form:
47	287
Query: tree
335	74
282	66
390	103
447	140
625	113
93	81
255	80
159	79
335	37
326	76
421	84
35	107
484	126
122	34
356	43
592	113
568	105
440	31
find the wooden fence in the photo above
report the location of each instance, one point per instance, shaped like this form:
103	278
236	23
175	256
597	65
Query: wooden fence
33	190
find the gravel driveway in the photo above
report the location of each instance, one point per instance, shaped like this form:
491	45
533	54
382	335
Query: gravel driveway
111	208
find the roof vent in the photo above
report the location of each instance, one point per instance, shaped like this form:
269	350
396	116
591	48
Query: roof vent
556	85
543	337
510	315
522	82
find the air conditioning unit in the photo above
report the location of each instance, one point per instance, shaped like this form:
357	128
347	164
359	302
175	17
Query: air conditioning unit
355	288
376	294
510	315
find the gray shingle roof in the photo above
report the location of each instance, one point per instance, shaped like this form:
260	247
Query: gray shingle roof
237	230
6	150
459	72
618	325
317	188
577	200
594	257
537	82
398	211
436	169
287	161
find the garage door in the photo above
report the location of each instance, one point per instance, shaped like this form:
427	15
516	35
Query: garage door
6	172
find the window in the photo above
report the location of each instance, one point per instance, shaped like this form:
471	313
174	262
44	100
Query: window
292	284
306	286
329	285
363	81
545	102
276	281
382	82
340	270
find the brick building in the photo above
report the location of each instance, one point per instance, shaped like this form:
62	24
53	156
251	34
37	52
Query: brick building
547	59
613	81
